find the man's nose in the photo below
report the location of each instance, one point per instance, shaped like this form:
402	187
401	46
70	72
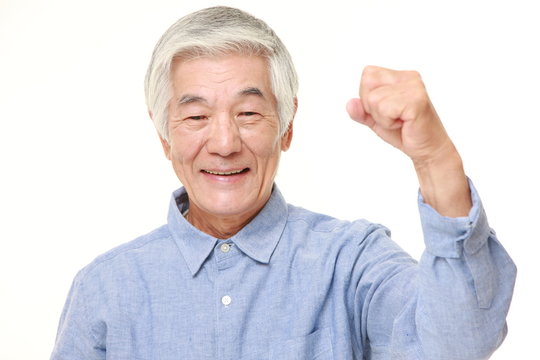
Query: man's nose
224	138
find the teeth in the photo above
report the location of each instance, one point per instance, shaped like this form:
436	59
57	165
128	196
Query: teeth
224	172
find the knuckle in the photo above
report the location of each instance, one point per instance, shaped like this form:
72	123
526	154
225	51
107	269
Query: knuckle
370	70
391	110
413	74
419	96
369	74
373	100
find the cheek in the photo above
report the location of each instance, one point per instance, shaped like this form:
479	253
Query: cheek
182	161
265	146
267	155
185	146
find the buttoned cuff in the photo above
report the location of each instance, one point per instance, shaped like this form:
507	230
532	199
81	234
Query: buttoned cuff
448	237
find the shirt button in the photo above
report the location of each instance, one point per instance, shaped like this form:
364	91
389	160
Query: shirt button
225	248
226	300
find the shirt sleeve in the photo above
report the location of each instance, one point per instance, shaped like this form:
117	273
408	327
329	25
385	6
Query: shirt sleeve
452	304
74	339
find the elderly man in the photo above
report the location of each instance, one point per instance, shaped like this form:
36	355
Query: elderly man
236	273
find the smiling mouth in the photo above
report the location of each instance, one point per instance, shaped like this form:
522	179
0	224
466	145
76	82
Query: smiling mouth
226	173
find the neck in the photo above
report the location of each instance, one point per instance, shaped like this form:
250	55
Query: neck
221	227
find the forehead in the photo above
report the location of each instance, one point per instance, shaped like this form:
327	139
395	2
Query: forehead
220	75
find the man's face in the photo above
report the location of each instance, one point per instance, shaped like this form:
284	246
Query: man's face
224	141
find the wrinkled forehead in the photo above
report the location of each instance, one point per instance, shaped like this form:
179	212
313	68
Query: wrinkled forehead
233	76
241	59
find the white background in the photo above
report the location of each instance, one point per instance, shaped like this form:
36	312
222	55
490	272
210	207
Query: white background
82	169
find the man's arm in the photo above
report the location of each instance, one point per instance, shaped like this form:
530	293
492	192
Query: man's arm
454	305
74	339
451	305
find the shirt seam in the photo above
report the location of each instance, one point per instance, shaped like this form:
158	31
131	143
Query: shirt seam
341	224
85	314
113	254
371	234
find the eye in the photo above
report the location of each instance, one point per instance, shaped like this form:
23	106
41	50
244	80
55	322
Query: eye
197	117
249	115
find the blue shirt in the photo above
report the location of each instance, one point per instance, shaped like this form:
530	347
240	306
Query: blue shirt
292	284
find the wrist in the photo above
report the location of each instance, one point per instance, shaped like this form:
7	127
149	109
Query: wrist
443	182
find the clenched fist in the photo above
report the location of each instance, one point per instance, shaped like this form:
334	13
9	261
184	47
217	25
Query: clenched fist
396	106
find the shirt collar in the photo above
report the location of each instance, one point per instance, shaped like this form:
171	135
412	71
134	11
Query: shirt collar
258	239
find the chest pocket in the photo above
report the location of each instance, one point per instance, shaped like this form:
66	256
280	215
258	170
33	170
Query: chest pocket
315	346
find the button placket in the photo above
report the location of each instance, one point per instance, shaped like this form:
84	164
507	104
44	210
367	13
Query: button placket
228	299
226	258
226	255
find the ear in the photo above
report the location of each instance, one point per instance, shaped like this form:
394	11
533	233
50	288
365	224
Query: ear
166	147
164	143
287	137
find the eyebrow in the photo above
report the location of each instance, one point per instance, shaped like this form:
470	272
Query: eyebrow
251	91
189	99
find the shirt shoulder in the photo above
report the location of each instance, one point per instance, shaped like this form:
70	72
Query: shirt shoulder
301	219
148	246
321	244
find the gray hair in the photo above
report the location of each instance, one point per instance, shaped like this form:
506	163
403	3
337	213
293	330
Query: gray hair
213	32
